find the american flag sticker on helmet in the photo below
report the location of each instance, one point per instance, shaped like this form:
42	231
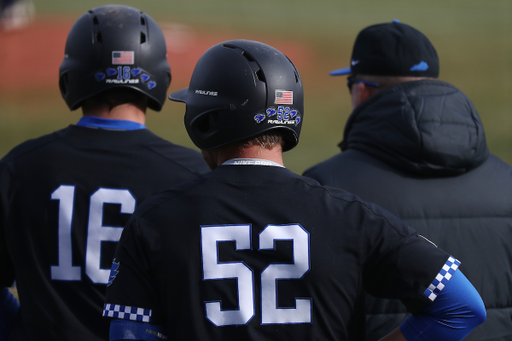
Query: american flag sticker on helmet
123	58
284	97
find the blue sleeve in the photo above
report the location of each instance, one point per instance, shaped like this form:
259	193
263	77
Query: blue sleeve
456	311
134	330
8	308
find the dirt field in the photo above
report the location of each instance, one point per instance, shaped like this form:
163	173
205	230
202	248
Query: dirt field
30	57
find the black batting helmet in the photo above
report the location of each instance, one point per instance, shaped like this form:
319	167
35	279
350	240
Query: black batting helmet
240	89
114	46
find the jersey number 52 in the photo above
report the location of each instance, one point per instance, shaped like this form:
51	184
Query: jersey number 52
270	312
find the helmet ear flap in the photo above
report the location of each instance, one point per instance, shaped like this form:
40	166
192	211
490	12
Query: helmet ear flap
206	124
63	84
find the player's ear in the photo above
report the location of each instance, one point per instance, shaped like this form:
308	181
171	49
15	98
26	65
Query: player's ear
360	92
365	91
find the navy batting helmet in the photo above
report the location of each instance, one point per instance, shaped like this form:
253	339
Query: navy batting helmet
111	47
240	89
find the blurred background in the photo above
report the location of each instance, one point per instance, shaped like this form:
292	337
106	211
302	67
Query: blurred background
473	39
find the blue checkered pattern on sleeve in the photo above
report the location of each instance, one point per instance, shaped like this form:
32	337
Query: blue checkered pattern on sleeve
124	312
442	278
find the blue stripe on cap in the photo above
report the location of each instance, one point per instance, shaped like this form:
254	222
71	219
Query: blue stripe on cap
340	72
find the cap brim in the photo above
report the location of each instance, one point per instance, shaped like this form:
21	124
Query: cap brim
341	72
179	96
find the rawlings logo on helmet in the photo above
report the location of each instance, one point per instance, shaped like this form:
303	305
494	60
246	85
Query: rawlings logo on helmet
207	93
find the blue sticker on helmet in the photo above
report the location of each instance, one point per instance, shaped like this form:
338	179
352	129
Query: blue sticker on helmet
259	117
100	76
271	112
111	72
136	72
125	75
144	77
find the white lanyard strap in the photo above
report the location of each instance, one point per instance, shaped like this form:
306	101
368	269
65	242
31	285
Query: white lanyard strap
251	162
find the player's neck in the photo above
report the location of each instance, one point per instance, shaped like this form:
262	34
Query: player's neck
256	152
218	156
127	112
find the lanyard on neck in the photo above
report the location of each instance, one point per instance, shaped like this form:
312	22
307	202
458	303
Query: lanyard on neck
251	162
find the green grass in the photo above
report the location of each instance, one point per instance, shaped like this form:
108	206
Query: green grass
473	39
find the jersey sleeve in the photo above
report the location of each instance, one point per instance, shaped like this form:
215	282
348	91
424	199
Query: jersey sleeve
404	265
7	275
131	293
9	307
456	311
7	270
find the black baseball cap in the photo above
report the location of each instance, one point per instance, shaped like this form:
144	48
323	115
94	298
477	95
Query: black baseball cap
392	49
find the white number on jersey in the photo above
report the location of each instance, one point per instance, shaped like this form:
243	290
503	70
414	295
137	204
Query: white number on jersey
241	235
96	232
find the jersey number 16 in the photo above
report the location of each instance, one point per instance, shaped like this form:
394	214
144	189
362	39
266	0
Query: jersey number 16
96	232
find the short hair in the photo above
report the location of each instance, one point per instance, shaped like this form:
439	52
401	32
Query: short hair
268	140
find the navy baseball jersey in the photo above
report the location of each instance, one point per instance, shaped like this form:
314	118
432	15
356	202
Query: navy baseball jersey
64	199
259	253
